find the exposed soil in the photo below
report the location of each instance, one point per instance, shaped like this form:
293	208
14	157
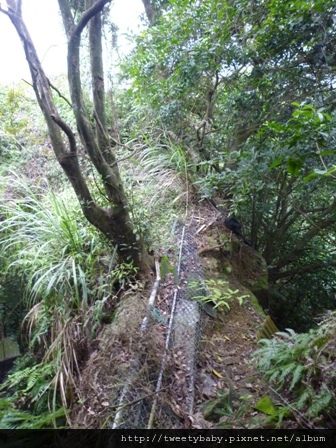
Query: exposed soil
227	384
226	375
225	368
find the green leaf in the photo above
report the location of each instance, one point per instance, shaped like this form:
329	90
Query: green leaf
310	177
265	406
297	375
166	267
327	153
294	166
308	107
276	163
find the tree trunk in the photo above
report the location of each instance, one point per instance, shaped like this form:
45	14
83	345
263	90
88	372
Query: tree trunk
114	222
153	9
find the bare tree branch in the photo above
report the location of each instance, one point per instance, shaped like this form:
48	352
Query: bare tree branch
68	132
59	93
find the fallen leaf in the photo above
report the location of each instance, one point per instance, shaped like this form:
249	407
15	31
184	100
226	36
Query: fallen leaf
265	405
217	374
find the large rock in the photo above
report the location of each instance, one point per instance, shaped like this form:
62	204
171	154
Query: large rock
9	348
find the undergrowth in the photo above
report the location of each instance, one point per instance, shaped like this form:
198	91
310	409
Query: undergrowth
70	276
158	188
304	365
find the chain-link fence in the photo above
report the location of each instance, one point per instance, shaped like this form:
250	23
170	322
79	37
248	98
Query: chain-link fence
158	375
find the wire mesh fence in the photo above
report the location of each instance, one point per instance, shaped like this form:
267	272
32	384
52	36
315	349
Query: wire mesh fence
156	385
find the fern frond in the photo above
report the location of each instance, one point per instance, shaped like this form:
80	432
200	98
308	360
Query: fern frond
297	375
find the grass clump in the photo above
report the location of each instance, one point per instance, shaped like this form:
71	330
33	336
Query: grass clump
70	275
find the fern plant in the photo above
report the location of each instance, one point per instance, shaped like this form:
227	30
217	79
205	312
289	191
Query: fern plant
303	364
32	382
24	398
13	418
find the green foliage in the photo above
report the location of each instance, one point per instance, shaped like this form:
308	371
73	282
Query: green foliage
32	382
303	364
13	418
288	209
219	293
305	138
12	123
27	407
250	88
157	186
265	405
21	130
236	98
12	118
45	239
69	279
164	166
152	219
167	268
276	413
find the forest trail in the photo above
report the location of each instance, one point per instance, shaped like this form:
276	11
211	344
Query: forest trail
227	383
198	376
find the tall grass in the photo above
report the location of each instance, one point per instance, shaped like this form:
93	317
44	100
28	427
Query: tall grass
158	184
45	239
165	166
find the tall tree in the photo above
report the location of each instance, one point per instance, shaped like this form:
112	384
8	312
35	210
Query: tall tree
249	86
114	221
153	9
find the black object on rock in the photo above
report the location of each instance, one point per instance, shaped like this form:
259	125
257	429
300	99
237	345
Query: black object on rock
235	226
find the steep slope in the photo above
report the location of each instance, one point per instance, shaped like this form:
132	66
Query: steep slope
182	371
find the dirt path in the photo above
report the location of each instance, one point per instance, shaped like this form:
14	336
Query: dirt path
227	382
226	373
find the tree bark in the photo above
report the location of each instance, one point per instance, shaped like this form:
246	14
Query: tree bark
150	11
153	9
